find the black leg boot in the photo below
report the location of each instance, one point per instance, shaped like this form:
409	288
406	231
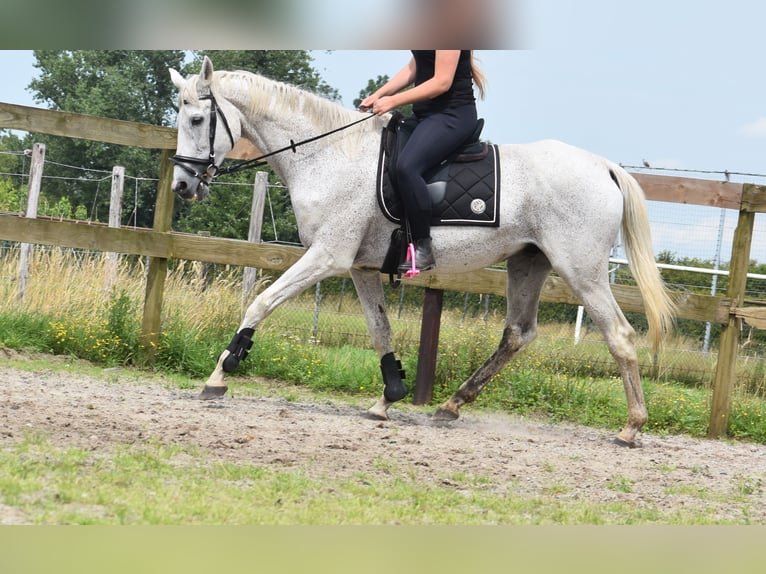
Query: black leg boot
424	257
391	368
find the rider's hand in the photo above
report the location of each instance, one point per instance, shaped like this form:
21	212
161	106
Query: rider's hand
367	104
377	106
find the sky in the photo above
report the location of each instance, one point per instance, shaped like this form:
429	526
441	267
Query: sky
677	84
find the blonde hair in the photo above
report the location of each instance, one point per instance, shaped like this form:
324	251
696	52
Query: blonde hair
478	77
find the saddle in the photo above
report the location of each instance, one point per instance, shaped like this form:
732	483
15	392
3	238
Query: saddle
464	188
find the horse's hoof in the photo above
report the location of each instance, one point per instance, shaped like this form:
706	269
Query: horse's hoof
443	415
377	415
209	393
626	444
379	411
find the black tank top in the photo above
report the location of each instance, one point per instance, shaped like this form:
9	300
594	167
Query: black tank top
459	94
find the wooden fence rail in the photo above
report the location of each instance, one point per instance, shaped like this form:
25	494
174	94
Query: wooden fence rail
161	244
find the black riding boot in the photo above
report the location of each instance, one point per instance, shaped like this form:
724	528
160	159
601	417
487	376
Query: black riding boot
424	257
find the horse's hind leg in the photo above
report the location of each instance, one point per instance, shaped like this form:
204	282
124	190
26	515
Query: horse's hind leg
527	271
620	338
370	290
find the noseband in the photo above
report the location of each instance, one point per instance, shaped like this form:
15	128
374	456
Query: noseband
211	168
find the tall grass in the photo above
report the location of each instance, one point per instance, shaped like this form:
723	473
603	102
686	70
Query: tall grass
71	307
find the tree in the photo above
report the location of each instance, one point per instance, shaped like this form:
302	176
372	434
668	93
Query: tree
14	168
136	86
121	84
131	85
289	66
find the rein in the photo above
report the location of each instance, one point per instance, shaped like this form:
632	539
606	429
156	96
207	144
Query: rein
212	170
258	161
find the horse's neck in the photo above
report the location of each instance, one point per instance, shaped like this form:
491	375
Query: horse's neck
272	126
282	116
270	135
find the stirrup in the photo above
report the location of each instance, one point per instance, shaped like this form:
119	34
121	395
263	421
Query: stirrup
418	254
413	271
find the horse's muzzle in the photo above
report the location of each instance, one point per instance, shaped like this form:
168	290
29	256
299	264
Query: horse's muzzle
196	192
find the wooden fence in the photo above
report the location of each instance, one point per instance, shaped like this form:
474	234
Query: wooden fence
160	243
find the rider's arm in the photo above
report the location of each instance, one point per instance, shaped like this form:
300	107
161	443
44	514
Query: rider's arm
444	74
401	80
390	96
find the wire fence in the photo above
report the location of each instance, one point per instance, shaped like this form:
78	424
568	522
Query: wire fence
330	314
702	237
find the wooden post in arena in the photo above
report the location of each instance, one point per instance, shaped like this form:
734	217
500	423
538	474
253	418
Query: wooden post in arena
429	346
115	212
158	266
33	198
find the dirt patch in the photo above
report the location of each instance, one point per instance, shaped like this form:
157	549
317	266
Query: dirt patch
328	438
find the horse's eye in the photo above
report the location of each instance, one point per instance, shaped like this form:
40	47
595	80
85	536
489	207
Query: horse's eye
196	120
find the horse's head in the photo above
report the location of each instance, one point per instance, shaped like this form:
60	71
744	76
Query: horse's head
208	127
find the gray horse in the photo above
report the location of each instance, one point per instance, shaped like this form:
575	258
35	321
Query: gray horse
561	209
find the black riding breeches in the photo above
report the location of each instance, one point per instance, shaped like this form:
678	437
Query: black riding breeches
435	137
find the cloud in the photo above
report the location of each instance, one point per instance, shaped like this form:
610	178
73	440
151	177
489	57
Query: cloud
756	129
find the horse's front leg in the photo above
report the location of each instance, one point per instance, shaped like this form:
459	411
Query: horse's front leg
316	264
370	290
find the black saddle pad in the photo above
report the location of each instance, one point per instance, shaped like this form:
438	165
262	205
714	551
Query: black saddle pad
465	189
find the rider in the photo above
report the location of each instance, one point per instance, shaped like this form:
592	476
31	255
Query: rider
445	108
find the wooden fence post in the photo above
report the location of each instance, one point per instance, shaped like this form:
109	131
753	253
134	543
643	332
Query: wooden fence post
429	346
158	266
33	198
115	219
726	368
254	232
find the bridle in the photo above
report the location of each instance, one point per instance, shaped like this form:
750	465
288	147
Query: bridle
212	169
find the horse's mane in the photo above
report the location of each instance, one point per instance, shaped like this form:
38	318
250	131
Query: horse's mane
270	98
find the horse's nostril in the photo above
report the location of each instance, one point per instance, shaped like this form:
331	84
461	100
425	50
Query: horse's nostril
179	186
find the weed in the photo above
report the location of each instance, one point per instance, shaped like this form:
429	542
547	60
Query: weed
621	484
748	485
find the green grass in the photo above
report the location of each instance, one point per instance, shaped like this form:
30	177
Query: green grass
523	387
156	484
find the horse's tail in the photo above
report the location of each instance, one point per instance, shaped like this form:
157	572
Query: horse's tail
658	306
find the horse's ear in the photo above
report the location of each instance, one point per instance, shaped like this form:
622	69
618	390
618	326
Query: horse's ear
206	74
178	79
